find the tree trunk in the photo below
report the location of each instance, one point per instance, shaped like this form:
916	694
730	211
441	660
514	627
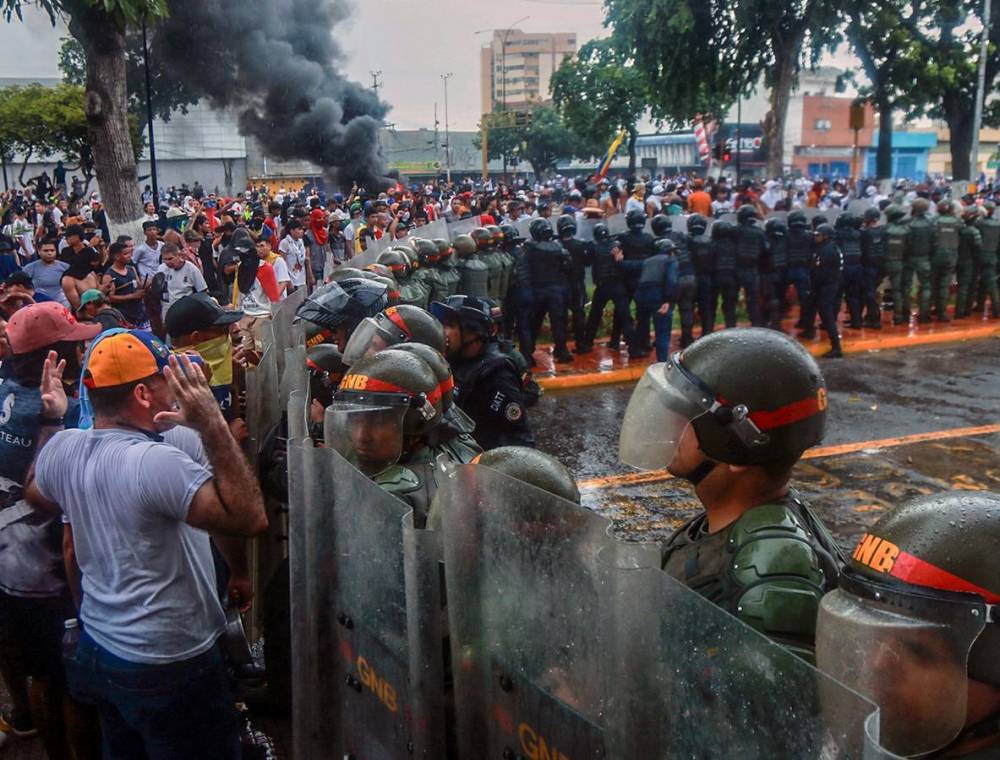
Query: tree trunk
24	166
632	137
960	129
783	77
105	105
883	156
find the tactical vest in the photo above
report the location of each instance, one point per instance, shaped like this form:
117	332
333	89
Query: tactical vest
606	269
451	277
494	272
506	272
748	246
682	252
431	279
989	228
969	243
636	245
778	245
897	240
799	247
580	254
849	241
702	254
414	292
724	254
873	242
946	234
473	278
547	262
921	237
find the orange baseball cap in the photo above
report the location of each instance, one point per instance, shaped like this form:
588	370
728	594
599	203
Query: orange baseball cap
124	357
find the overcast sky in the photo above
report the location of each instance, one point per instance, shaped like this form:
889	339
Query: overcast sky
411	43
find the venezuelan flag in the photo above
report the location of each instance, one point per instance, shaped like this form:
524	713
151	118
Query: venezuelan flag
610	155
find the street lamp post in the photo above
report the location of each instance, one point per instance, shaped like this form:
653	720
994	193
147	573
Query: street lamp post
149	117
977	121
447	133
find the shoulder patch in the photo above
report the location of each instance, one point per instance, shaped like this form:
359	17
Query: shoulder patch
513	412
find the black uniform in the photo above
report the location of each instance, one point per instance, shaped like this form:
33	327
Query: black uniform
724	274
873	246
751	247
849	241
686	285
703	261
828	263
774	276
799	273
609	285
488	389
548	268
636	245
581	256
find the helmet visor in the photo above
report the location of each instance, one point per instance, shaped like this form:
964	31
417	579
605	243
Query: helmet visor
368	434
662	406
368	337
913	665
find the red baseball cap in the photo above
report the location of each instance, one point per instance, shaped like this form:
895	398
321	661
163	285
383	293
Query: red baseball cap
44	324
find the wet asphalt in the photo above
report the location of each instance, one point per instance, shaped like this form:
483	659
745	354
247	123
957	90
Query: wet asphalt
873	396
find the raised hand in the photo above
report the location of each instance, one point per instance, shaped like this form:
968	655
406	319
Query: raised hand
54	401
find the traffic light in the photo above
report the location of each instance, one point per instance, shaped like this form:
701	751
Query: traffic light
522	118
727	155
717	151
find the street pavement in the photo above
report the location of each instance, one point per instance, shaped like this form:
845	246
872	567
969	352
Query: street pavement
901	423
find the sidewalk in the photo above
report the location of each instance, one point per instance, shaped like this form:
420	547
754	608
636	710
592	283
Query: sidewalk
605	366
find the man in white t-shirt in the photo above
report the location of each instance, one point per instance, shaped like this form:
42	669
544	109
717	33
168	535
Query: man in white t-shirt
146	255
182	277
296	257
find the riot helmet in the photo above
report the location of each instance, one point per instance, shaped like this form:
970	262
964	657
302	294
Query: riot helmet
442	370
392	294
635	219
482	237
776	227
872	214
510	235
797	220
895	214
661	225
920	206
723	229
945	207
825	231
427	252
601	232
916	615
397	324
465	246
697	224
665	245
818	220
566	226
345	273
746	214
749	396
384	400
326	368
397	262
474	318
540	229
533	467
338	307
379	269
496	234
444	250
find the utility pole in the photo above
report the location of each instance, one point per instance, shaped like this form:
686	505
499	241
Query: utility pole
447	132
977	120
149	118
375	80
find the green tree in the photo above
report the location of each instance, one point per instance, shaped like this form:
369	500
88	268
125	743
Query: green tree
100	27
167	93
601	92
542	143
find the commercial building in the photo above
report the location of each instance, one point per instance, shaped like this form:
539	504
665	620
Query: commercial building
516	67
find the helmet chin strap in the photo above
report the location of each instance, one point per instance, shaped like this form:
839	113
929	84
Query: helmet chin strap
700	472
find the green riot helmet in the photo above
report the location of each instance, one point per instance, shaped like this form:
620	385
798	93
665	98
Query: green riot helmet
916	617
397	262
894	214
661	225
601	232
723	229
338	307
665	245
776	227
945	207
442	370
797	220
465	246
427	252
751	396
540	230
566	226
496	234
971	213
920	206
697	224
345	273
326	368
746	214
872	215
397	324
482	237
383	400
533	467
444	249
635	219
379	269
406	245
392	294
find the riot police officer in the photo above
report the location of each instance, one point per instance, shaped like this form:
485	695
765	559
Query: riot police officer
473	272
751	248
873	245
989	226
581	256
411	290
732	414
828	263
487	383
447	266
636	245
918	260
774	272
970	243
703	260
945	258
335	309
548	267
848	236
724	275
656	294
609	285
427	273
914	626
663	228
488	255
504	257
800	248
394	325
897	252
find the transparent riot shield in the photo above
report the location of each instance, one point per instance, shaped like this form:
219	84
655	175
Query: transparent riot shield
859	206
462	227
367	618
262	406
585	229
295	375
523	227
616	224
436	229
524	597
285	334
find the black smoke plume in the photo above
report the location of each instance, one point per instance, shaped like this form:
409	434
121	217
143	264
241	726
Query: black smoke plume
276	62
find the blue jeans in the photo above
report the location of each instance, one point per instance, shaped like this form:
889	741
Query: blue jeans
160	712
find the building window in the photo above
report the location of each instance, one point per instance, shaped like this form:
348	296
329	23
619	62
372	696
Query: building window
822	125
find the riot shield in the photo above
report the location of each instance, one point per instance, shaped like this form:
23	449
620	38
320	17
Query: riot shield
523	599
462	227
262	407
285	334
523	226
295	375
859	206
369	665
436	229
585	229
616	224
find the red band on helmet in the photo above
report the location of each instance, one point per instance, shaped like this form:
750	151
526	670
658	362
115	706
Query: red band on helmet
374	385
913	570
397	319
788	414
